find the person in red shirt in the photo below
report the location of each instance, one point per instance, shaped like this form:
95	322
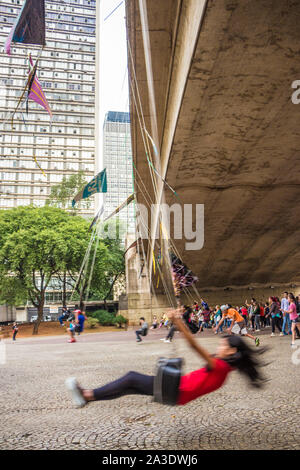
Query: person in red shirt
206	319
244	313
262	317
232	353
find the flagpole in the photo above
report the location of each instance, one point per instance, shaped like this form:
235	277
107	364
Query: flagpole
32	71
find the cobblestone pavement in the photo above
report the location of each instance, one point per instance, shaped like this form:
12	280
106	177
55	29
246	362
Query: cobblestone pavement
36	411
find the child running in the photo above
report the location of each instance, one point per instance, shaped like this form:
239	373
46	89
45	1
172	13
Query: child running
15	331
71	331
238	324
233	353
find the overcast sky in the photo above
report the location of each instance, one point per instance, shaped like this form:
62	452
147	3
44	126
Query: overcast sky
113	67
113	59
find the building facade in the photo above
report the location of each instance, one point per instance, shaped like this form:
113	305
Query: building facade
66	72
117	159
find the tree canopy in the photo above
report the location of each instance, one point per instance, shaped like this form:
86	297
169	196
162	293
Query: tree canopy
62	194
37	244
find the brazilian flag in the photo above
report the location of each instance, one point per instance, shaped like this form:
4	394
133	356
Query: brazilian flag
96	185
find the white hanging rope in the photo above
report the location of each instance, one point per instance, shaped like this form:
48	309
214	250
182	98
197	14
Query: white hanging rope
85	260
93	262
149	200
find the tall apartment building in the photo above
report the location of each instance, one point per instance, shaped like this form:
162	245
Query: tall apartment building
117	159
67	74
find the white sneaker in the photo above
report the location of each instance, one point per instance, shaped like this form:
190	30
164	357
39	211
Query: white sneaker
272	334
281	334
257	331
78	399
293	345
167	341
162	339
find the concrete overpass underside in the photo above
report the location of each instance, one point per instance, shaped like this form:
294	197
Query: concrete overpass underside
229	133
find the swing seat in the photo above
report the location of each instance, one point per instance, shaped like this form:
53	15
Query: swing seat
167	380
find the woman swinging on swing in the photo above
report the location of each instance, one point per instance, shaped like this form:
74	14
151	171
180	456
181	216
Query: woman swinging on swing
232	353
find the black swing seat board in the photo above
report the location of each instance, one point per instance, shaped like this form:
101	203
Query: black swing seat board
166	381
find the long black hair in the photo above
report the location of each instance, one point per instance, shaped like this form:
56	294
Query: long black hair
292	297
245	360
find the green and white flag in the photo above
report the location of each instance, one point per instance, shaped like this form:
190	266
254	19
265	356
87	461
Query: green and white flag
96	185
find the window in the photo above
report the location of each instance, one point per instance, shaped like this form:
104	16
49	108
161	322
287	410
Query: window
87	143
39	202
30	164
7	202
8	176
39	177
23	202
73	142
24	176
38	190
57	165
24	189
56	178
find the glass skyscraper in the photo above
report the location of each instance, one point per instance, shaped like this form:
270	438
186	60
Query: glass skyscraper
117	159
66	72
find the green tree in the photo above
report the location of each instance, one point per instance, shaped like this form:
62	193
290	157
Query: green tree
76	238
33	249
62	194
120	320
92	322
104	318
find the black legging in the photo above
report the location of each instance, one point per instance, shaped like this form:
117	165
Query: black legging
192	327
276	321
171	332
132	383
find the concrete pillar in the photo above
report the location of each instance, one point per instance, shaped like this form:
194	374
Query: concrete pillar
137	285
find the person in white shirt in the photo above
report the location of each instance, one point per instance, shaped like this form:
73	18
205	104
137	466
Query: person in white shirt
286	317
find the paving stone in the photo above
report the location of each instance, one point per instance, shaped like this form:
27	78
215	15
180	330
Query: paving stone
38	412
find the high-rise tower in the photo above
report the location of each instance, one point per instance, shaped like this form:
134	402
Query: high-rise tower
67	74
117	159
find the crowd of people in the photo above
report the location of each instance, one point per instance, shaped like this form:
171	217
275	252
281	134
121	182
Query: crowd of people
248	319
282	316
